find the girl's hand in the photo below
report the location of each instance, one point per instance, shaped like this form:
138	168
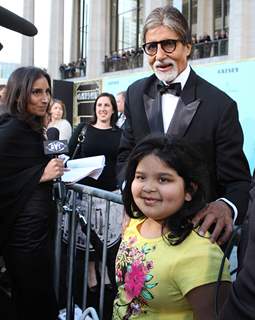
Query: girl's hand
53	170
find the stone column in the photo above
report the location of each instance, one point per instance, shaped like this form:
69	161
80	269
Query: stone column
205	18
75	31
27	45
241	29
56	38
96	38
149	5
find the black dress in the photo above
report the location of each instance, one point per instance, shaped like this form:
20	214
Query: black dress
27	219
102	142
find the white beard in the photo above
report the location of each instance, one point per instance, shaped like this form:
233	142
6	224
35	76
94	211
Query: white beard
163	76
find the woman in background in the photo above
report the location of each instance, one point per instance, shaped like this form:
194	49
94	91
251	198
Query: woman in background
100	137
27	211
57	112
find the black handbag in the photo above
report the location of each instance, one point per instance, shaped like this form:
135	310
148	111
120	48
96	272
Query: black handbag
81	138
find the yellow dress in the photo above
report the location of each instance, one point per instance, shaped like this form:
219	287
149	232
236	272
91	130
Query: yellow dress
153	277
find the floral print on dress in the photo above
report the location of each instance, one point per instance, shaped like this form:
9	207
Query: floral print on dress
133	274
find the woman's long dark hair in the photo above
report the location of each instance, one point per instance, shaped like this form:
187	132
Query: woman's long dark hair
114	116
189	165
18	91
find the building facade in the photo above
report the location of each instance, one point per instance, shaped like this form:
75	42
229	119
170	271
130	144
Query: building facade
110	40
114	27
105	38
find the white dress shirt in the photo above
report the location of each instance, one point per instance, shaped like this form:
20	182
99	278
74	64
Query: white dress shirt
121	120
169	101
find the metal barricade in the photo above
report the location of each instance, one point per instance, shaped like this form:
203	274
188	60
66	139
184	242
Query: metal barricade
73	220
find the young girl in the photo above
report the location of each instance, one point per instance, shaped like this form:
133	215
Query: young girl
164	268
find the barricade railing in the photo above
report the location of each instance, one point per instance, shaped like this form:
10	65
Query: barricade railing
73	219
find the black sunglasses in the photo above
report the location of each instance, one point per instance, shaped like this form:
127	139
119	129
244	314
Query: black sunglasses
168	45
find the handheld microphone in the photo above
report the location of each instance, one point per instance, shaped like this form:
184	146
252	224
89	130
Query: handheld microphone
52	133
14	22
53	146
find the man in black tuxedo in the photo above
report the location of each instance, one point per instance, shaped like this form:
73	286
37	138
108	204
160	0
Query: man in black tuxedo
177	102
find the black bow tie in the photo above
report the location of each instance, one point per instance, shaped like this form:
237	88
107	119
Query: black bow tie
173	88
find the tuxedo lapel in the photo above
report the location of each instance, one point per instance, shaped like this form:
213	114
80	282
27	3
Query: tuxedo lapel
152	107
186	108
182	117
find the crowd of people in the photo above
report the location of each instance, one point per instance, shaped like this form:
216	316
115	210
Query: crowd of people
126	59
176	155
74	69
205	46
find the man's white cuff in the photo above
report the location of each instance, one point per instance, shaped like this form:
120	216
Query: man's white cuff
232	206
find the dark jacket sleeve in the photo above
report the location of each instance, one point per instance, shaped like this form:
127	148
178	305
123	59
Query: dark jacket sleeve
240	304
127	143
232	168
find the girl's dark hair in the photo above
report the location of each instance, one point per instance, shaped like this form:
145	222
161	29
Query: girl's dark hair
114	116
18	91
189	165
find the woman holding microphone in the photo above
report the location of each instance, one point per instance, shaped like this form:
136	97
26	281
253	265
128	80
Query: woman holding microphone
26	207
